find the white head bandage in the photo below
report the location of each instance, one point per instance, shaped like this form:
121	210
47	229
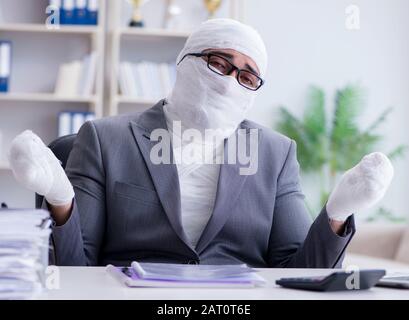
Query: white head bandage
202	99
228	34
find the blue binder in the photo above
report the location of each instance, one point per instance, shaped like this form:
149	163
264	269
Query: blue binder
70	122
92	12
67	12
80	12
5	65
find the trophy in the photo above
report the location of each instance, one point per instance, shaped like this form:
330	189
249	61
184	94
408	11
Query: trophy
212	6
171	12
137	20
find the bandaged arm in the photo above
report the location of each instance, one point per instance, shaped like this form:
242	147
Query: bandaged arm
78	241
294	240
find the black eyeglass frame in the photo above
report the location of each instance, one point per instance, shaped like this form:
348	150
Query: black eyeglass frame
208	54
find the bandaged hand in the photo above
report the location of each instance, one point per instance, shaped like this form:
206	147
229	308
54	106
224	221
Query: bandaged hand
36	168
361	187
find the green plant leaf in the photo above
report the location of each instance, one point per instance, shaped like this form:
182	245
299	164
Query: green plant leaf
339	146
349	104
363	144
315	125
398	152
380	120
385	215
314	115
293	128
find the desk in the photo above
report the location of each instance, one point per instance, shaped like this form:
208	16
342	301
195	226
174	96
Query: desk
95	284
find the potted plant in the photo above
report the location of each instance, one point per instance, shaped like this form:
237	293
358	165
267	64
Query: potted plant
328	146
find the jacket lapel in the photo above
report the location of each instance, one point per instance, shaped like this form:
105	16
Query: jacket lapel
166	180
164	176
228	191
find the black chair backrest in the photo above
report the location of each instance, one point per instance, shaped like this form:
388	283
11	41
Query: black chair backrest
61	147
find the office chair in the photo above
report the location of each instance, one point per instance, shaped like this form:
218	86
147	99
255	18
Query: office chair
61	147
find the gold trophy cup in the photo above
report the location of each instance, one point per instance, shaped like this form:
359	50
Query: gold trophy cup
212	6
137	20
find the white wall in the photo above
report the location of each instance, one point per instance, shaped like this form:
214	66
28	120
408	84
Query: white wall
309	44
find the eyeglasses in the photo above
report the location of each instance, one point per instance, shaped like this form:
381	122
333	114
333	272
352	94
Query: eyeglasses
223	67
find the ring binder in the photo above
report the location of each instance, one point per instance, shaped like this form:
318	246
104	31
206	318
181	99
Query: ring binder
5	65
67	12
92	12
80	12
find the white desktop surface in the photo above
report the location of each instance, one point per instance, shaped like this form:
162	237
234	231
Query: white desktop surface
93	283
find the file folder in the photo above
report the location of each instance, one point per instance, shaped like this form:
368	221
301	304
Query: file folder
5	65
64	124
78	119
70	122
80	12
163	275
67	12
92	12
89	116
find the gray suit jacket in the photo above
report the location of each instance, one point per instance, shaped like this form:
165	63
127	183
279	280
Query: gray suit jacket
127	208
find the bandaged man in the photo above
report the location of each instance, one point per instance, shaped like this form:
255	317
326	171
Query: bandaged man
115	204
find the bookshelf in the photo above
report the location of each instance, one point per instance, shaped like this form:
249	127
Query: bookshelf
45	97
37	27
134	45
131	100
160	34
37	53
150	43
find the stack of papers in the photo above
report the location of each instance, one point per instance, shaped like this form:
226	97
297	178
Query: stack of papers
180	275
24	236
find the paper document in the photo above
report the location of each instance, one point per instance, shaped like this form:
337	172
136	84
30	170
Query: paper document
24	236
181	275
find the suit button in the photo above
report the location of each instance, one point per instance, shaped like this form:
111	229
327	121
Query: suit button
193	262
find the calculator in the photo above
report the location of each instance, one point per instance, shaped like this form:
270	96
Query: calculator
395	281
336	281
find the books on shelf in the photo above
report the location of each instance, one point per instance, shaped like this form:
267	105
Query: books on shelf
163	275
70	122
146	80
68	79
77	12
77	78
24	244
5	65
88	75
